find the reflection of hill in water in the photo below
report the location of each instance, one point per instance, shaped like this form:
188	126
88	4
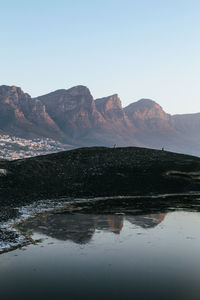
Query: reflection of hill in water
80	228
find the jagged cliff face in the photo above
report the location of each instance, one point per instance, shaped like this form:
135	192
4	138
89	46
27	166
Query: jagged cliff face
73	110
112	111
73	116
23	116
88	122
110	107
116	123
11	99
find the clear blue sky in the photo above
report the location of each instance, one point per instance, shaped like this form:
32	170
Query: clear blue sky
136	48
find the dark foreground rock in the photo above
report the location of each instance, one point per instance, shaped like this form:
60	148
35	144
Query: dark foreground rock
98	171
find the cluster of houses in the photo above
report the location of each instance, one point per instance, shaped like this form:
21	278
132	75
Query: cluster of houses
12	147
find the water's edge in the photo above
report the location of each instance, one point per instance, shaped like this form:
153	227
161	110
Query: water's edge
12	238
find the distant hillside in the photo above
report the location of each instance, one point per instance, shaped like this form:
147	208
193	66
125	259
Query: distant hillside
73	116
98	171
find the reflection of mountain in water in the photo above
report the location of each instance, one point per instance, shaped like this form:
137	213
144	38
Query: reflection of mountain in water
146	221
80	228
112	223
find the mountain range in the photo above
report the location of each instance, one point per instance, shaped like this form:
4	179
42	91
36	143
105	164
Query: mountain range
74	117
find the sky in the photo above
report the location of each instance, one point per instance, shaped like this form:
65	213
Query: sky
135	48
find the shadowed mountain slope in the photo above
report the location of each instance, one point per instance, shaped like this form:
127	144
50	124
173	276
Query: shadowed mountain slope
157	129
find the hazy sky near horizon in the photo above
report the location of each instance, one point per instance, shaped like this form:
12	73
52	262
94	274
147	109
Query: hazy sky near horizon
136	48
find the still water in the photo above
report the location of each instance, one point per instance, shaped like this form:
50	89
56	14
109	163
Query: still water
86	256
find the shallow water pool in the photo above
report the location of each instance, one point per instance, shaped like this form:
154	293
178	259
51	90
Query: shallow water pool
112	256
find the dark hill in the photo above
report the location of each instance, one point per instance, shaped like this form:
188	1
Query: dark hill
98	171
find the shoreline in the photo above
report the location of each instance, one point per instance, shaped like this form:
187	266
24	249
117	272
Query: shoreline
64	204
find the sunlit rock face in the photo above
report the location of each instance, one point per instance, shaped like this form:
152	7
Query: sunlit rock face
117	126
73	116
73	111
112	111
23	116
111	108
89	122
146	114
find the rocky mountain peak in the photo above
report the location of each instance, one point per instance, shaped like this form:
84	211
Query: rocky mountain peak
12	92
70	99
145	109
73	110
72	115
112	102
79	90
111	109
146	102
